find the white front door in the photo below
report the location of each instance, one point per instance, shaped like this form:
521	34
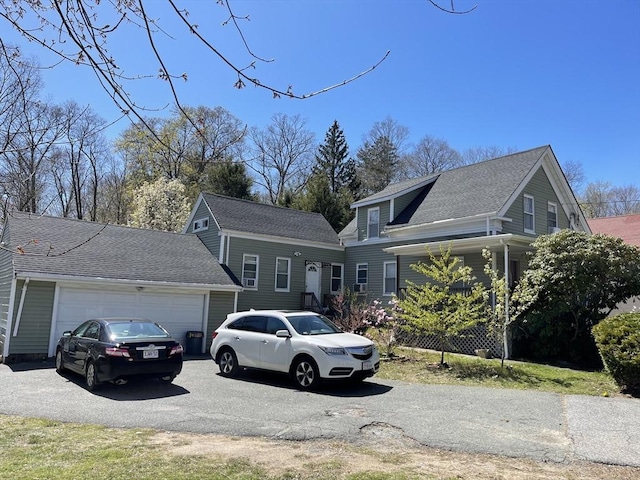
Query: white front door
314	279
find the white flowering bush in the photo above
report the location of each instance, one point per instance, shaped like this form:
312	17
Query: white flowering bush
160	205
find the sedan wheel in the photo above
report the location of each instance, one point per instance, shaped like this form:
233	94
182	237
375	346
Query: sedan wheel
228	363
59	365
305	374
91	378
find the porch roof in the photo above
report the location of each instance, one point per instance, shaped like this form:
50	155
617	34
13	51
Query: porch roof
516	243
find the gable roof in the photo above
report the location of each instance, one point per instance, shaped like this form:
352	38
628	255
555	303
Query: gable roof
626	227
476	189
245	216
62	247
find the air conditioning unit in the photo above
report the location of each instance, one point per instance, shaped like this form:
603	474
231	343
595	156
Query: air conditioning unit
359	287
250	282
554	229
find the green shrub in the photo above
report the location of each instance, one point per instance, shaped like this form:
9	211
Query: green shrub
618	340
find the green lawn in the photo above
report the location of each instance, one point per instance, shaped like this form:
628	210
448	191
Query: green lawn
420	366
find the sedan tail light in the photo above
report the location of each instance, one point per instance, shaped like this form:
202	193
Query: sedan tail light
117	352
215	334
175	350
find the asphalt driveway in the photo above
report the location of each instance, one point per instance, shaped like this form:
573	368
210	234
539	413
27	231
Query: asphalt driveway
541	426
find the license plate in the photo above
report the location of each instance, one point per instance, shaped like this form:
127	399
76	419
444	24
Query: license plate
150	354
367	365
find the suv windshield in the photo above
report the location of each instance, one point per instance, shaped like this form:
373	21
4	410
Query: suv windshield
312	325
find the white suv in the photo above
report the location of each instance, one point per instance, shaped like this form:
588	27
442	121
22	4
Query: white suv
304	344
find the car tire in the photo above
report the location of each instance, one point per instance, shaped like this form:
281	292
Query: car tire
91	377
59	363
228	363
305	373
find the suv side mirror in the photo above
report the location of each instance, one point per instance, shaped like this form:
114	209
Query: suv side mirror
283	334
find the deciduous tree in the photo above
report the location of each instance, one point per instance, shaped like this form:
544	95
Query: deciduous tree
161	205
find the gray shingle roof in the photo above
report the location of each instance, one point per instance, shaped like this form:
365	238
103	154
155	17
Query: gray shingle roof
480	188
251	217
62	246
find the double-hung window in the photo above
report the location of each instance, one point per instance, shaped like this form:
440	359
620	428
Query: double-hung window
283	274
552	217
362	276
529	214
390	278
336	277
373	222
250	271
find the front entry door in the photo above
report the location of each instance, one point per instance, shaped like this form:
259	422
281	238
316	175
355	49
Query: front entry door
313	280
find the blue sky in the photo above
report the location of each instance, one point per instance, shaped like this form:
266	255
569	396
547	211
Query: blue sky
513	73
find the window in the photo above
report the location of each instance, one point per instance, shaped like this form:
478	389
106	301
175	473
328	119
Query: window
529	214
373	224
336	277
362	275
250	271
283	271
552	217
200	224
275	324
390	278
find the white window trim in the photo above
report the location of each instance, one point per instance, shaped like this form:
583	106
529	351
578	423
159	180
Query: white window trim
369	211
244	258
358	265
555	209
199	224
275	284
384	279
341	265
532	213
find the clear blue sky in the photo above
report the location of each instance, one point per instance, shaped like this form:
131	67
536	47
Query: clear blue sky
513	73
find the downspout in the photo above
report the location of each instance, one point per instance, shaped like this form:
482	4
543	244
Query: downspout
19	314
488	232
506	301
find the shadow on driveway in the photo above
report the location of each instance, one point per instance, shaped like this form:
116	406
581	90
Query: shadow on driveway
335	388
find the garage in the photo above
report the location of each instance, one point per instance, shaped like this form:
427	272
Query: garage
176	312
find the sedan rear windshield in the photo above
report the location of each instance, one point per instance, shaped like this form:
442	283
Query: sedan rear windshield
312	325
123	330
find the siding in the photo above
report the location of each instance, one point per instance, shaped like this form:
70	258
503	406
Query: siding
35	324
6	277
209	237
220	305
474	260
403	201
542	191
374	257
266	297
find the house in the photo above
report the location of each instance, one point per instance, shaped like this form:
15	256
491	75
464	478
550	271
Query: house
284	258
282	255
57	272
626	227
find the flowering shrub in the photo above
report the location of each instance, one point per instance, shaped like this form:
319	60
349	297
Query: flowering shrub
372	320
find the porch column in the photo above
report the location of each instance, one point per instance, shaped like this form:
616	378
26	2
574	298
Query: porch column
505	342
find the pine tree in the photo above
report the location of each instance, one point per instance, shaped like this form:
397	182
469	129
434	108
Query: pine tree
333	159
378	164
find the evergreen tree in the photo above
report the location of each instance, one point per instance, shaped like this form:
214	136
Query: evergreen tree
317	197
378	162
333	159
228	178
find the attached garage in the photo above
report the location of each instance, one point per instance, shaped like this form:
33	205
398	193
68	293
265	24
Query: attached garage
56	273
176	312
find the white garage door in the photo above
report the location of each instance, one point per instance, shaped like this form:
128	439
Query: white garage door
176	312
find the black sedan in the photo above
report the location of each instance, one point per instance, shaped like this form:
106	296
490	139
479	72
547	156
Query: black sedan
116	349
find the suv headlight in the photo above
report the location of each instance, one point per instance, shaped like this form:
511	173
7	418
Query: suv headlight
333	350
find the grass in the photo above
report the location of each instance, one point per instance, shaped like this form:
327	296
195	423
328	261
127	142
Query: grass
420	366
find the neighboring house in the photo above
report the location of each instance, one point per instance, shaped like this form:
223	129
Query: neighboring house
284	258
57	272
283	255
626	227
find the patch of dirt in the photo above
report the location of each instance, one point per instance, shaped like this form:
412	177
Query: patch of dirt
384	451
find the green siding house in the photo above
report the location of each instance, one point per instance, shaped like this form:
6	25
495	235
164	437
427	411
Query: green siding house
57	272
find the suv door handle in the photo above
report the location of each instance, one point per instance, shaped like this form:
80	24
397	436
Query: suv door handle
264	341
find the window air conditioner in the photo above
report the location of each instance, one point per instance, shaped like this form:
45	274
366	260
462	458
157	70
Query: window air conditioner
554	229
359	287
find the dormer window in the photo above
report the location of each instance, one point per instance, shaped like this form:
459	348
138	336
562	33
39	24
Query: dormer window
201	224
373	223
